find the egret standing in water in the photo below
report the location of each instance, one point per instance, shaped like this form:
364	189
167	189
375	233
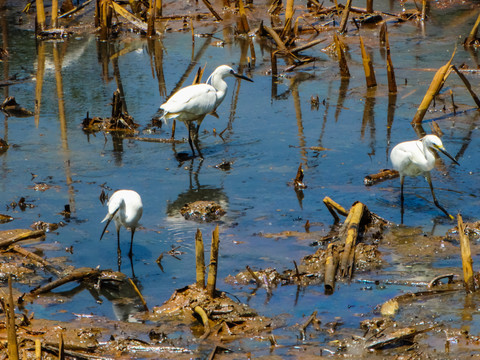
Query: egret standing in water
194	102
417	157
125	208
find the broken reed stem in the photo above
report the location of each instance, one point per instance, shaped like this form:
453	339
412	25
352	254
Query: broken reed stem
40	26
467	85
38	349
345	13
22	236
467	262
276	38
331	264
203	315
367	66
77	274
254	276
369	6
61	347
54	22
332	206
352	224
289	10
424	9
10	324
392	84
35	258
342	61
212	10
152	13
472	37
137	291
438	80
244	28
158	7
200	259
212	271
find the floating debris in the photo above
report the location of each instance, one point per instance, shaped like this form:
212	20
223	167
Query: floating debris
10	108
202	211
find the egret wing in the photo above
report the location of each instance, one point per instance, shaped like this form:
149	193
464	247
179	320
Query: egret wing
191	102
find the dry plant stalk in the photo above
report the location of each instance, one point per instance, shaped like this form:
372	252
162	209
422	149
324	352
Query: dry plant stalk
467	85
276	38
212	271
332	206
212	10
152	13
467	262
331	264
158	7
10	324
437	83
367	66
61	347
345	12
244	28
392	84
369	6
40	17
352	224
54	21
289	10
200	259
342	60
472	37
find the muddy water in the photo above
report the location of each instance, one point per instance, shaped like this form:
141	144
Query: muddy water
271	127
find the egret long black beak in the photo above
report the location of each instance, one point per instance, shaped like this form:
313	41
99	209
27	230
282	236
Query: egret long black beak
108	223
240	76
444	152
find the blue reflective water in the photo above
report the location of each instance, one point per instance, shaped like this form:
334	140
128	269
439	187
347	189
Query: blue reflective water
271	128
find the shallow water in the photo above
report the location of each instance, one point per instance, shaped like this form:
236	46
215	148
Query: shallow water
266	140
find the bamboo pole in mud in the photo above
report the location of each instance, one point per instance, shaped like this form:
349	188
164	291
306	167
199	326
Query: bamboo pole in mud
467	262
352	224
40	17
212	267
199	259
437	83
342	61
331	264
367	66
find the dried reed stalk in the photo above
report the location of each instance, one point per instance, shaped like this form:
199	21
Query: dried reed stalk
276	38
331	264
289	10
152	13
244	28
369	6
54	21
367	66
10	324
4	243
40	17
352	224
342	60
437	83
200	259
212	271
392	84
345	12
467	262
332	206
212	10
61	347
467	85
472	37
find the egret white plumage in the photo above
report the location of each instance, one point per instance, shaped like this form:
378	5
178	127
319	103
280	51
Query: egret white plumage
417	157
125	208
194	102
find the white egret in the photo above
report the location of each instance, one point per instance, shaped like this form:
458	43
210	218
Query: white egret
417	157
125	208
194	102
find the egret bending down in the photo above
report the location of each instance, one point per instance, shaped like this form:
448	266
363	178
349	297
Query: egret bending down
194	102
125	208
417	157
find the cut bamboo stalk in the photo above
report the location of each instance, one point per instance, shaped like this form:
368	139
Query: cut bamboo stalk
467	262
54	21
437	83
38	349
472	37
289	10
254	276
369	6
331	264
345	13
40	26
10	319
212	270
392	84
342	61
61	347
367	66
200	259
467	85
352	224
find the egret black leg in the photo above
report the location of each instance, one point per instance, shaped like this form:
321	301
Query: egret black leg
130	253
174	124
402	178
190	131
429	179
119	251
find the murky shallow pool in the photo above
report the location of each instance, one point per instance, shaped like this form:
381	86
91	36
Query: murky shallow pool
271	127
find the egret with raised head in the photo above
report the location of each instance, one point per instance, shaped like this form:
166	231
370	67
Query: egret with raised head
417	157
125	208
192	103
